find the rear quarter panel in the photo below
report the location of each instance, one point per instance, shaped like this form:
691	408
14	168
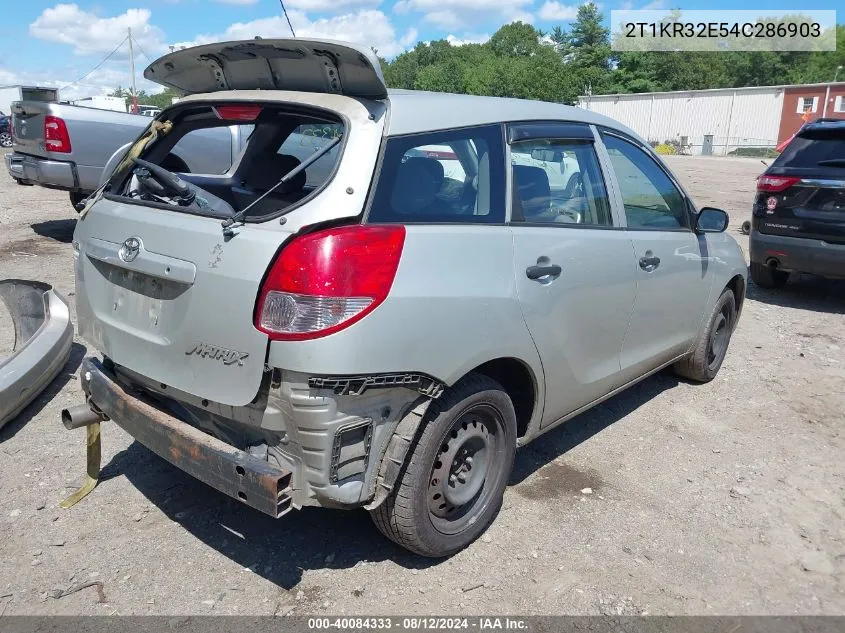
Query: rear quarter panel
453	306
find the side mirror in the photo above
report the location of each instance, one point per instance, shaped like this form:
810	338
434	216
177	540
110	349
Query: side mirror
711	220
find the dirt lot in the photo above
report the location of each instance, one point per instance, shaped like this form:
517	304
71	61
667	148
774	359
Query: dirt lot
726	498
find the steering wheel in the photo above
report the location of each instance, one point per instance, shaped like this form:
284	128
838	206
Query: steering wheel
161	182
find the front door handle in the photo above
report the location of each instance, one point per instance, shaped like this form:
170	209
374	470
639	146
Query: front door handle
649	262
538	272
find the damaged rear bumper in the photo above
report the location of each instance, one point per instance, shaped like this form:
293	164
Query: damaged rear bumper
253	481
43	338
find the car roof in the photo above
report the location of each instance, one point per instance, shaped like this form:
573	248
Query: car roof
416	111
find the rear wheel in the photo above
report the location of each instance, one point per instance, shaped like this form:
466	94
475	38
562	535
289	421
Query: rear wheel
706	358
768	277
75	198
5	139
452	485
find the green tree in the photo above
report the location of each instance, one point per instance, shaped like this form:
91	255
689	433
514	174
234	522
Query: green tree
515	40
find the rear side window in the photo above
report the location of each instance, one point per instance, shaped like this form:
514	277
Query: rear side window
456	176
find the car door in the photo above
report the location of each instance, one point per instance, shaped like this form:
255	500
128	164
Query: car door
671	260
572	264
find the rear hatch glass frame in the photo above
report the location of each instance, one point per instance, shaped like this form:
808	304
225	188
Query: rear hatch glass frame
119	180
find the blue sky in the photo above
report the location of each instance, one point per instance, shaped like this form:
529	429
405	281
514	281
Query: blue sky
50	43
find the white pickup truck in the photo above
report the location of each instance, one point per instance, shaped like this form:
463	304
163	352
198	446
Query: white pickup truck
62	146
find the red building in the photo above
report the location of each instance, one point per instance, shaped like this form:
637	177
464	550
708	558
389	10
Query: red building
810	102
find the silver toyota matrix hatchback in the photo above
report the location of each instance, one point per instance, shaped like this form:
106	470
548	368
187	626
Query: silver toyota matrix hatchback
386	292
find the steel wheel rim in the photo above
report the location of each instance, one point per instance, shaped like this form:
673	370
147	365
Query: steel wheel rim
719	338
463	477
5	139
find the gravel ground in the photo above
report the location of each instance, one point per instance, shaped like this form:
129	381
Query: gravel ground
671	498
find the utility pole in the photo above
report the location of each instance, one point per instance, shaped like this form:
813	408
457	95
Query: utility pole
132	70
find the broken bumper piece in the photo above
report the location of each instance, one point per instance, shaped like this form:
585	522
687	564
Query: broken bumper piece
236	473
43	338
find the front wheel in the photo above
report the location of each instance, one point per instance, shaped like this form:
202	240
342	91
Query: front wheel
455	476
705	360
6	139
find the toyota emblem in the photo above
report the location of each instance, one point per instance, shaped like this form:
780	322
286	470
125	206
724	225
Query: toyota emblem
130	249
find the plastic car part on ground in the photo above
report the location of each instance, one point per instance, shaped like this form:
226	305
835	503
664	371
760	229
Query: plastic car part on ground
43	338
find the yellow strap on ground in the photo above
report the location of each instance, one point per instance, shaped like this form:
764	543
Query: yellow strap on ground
92	474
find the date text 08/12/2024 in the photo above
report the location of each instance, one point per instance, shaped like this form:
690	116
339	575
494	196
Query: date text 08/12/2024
419	623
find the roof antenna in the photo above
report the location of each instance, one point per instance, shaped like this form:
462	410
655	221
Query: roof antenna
285	11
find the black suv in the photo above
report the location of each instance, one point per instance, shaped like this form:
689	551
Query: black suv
799	212
5	130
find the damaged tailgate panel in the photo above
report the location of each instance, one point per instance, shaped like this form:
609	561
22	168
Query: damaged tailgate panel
43	338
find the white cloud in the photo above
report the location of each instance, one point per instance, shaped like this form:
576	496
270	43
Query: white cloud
464	12
366	27
104	80
626	5
655	4
90	34
331	6
468	38
553	10
445	18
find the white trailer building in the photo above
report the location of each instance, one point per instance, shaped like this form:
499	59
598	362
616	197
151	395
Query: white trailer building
10	94
704	121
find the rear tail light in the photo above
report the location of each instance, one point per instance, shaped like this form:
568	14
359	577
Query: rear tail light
775	184
325	281
56	138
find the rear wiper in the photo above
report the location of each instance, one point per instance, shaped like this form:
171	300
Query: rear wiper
238	218
832	162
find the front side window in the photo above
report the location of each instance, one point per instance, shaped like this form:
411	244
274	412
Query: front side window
454	176
558	182
651	199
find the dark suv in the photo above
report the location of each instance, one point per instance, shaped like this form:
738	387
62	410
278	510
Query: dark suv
5	130
799	211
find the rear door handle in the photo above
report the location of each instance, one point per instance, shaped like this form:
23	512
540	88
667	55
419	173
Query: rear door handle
649	263
538	272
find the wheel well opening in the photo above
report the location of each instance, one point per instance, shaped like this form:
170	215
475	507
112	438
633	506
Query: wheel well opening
737	285
517	381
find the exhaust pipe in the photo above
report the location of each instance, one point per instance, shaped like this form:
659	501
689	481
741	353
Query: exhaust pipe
773	263
81	415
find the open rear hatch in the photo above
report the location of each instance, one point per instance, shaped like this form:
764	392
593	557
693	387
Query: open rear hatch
274	64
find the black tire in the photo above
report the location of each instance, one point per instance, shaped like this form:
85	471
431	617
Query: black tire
706	358
479	416
768	277
572	185
75	198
